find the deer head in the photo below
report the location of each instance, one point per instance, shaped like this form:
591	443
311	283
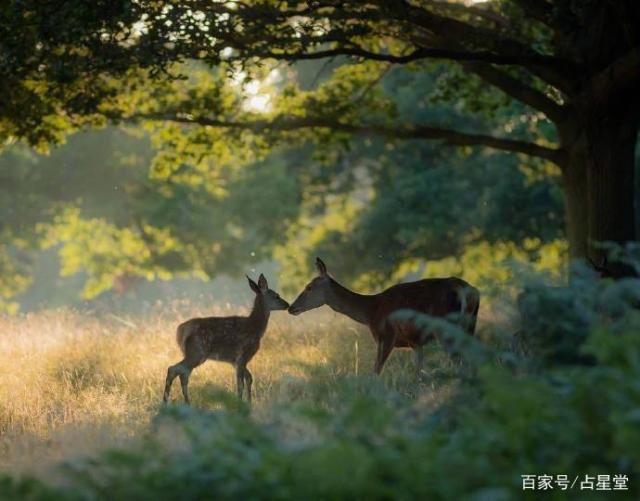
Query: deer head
602	269
272	299
315	293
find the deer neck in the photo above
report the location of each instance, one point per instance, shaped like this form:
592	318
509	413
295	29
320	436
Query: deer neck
259	316
356	306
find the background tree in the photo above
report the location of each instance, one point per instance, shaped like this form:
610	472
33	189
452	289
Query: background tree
575	63
384	211
559	76
112	221
93	204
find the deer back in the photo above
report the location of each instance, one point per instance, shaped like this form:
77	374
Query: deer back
222	338
433	296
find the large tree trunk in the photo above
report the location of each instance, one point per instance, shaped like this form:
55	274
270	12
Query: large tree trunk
599	181
576	205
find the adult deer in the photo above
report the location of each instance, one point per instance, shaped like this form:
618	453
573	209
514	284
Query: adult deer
438	297
234	340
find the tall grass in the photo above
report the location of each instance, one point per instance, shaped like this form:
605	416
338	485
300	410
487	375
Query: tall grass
80	407
72	383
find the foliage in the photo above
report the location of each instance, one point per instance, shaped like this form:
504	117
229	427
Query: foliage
13	278
190	204
378	225
96	203
107	52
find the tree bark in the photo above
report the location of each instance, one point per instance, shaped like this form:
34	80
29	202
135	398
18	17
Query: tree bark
599	180
576	204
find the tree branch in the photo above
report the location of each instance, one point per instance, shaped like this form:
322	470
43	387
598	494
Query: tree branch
400	19
447	136
551	69
518	90
417	54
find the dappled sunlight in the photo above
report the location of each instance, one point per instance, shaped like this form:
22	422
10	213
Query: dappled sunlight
257	94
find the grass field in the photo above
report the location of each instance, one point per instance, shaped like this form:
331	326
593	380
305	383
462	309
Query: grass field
81	414
72	383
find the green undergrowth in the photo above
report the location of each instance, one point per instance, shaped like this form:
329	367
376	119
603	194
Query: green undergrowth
565	399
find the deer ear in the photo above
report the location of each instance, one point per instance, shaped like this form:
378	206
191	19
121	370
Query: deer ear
262	282
253	285
322	268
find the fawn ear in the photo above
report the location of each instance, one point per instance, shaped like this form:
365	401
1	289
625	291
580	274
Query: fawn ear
262	283
322	268
253	285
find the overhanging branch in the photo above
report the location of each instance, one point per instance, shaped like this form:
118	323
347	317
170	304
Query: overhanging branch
552	69
417	54
413	22
518	90
447	136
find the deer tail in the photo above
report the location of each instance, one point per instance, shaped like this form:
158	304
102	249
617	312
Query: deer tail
470	307
182	333
463	305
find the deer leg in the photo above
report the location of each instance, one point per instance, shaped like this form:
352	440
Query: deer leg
184	382
172	373
194	356
183	370
454	355
419	353
180	369
240	380
248	380
384	350
377	362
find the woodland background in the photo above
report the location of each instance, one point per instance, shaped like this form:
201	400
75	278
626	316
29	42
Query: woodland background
153	152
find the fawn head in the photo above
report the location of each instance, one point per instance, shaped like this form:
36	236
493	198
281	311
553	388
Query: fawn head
315	293
272	299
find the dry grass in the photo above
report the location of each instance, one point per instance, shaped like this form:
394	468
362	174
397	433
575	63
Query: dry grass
73	383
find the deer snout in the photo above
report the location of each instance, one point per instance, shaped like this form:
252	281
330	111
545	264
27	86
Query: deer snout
285	305
294	310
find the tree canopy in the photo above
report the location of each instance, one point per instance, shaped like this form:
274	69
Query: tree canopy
552	83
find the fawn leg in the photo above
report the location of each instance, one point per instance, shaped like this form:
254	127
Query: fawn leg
194	355
183	370
248	380
190	362
184	382
172	373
